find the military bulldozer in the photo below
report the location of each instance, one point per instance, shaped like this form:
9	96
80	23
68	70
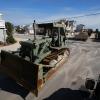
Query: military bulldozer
36	60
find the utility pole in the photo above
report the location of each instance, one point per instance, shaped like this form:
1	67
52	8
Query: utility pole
4	33
34	28
59	40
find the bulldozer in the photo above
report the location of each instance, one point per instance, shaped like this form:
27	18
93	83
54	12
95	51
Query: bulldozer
36	60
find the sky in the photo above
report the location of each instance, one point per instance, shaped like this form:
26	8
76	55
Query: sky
21	12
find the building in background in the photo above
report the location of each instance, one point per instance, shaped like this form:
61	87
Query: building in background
29	29
46	28
2	29
80	28
70	26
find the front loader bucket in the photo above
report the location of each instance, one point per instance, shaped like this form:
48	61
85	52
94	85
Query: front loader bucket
22	71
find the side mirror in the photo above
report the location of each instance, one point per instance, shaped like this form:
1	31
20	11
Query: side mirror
89	84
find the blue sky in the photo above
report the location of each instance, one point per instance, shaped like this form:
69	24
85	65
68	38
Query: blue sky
25	11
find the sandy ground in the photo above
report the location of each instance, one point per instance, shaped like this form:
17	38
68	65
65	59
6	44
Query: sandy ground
13	47
9	96
84	62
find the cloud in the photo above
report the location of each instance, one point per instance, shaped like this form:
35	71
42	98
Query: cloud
22	16
67	8
90	21
94	9
26	16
